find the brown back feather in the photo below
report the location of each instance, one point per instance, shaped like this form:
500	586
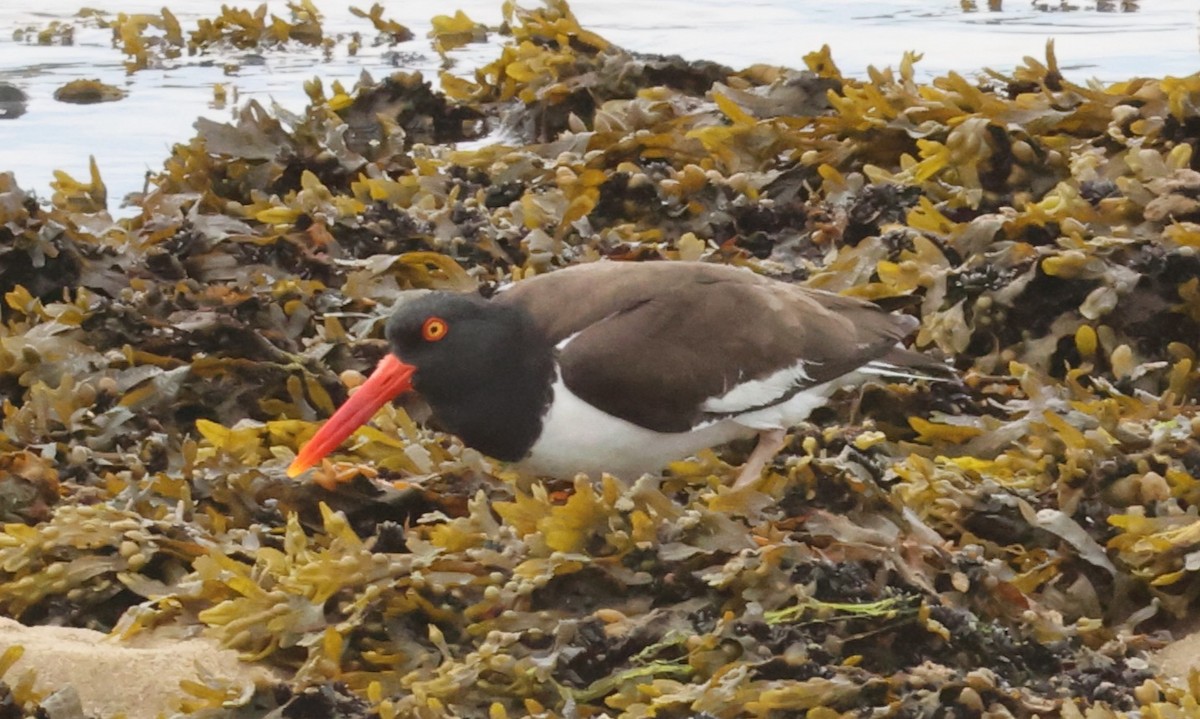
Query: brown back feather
650	342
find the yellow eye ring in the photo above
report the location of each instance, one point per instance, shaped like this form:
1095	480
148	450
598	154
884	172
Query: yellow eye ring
434	329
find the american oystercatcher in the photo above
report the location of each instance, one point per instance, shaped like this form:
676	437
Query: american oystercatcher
624	367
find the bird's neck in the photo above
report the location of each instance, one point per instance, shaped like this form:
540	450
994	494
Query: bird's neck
496	404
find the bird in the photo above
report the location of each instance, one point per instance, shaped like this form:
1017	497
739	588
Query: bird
622	367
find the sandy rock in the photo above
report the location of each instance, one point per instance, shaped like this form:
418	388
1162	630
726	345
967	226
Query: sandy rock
138	678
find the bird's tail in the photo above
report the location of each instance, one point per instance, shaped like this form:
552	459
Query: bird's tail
905	364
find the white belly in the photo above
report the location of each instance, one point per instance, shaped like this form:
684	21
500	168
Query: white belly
579	438
576	437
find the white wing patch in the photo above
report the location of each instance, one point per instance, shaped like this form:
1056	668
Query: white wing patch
757	393
891	371
562	344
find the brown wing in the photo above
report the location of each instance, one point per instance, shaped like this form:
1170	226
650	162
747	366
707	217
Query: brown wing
651	342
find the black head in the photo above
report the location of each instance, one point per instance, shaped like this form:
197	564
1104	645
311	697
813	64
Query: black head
451	334
482	367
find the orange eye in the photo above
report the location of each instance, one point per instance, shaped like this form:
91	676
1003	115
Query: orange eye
434	329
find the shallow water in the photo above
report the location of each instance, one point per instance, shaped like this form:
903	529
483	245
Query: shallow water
1107	40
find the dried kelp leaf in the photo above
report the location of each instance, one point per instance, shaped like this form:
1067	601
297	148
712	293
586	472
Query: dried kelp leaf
392	30
250	139
75	196
450	32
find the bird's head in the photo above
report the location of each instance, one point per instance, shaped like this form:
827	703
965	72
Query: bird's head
438	331
439	343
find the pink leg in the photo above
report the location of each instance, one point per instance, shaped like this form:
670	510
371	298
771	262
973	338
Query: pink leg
769	444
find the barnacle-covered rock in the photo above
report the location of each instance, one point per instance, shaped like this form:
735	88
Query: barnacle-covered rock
88	92
13	101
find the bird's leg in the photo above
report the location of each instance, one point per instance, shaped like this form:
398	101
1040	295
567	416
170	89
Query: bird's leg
769	444
856	405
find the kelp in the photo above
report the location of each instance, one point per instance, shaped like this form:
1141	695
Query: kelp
158	40
1011	547
55	32
393	31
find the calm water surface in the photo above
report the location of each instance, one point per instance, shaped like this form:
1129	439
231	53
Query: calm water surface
1108	41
